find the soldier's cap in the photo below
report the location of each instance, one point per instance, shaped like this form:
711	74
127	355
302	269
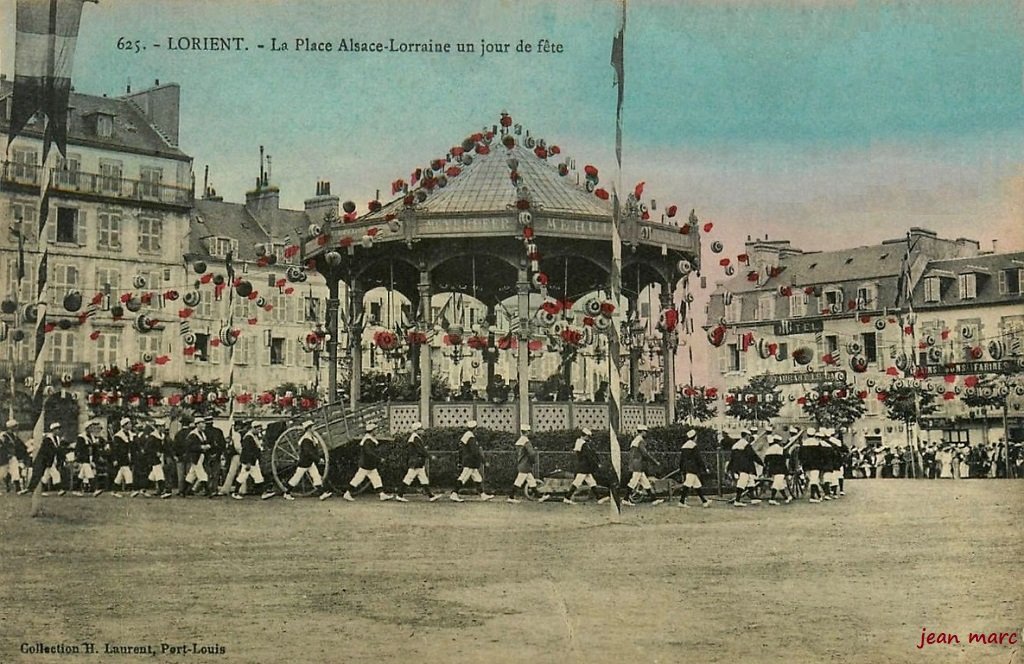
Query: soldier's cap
775	437
54	426
200	419
524	427
93	423
586	432
812	432
369	427
125	420
12	423
308	424
641	427
416	426
794	430
471	424
744	432
835	441
692	433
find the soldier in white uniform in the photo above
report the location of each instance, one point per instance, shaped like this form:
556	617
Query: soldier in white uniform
369	459
416	464
691	466
14	454
526	459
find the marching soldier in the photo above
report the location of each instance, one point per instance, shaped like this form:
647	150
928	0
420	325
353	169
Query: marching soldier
472	459
828	462
198	447
526	460
13	454
811	460
691	467
121	452
639	457
44	464
180	448
587	464
369	459
153	446
776	465
87	449
308	454
249	462
742	464
416	461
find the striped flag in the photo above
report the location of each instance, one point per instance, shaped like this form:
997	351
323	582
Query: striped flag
46	33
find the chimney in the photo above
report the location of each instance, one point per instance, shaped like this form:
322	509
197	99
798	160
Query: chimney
995	246
161	106
322	204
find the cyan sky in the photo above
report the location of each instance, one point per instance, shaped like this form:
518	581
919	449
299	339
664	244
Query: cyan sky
828	122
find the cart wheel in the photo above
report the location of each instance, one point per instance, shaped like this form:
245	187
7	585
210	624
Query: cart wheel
285	456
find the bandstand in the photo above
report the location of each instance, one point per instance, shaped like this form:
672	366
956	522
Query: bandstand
506	218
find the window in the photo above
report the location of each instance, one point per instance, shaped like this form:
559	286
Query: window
798	304
206	306
25	168
69	228
202	346
832	300
1010	281
968	286
732	359
783	352
108	279
956	436
766	307
110	176
62	346
277	350
243	350
151	342
312	310
831	347
932	289
870	343
866	296
149	234
104	125
734	309
375	313
26	212
150	180
109	230
220	247
240	309
62	278
67	173
106	349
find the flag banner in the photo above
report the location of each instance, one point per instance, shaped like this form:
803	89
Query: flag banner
616	455
46	32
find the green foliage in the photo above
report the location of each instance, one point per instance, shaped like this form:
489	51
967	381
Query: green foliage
199	397
693	403
757	401
118	393
901	403
837	405
376	386
292	399
984	395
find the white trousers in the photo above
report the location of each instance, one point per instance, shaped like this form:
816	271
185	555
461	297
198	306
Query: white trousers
692	481
414	474
248	471
813	477
196	472
14	470
52	474
779	482
314	475
525	478
86	471
640	478
362	474
582	479
156	474
470	474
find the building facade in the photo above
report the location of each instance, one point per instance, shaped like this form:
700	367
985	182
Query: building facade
918	310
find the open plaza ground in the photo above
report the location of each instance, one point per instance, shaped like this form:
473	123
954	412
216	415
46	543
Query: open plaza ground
853	580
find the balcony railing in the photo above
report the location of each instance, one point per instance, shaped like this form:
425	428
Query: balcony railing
97	184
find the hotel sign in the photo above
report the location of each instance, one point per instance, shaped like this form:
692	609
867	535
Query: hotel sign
1013	365
832	376
784	327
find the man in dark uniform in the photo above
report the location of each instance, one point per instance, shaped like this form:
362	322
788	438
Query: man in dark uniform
526	461
776	466
742	464
87	449
46	457
416	462
472	459
691	467
122	449
198	448
13	455
249	461
309	452
811	460
369	459
214	456
587	464
639	457
153	445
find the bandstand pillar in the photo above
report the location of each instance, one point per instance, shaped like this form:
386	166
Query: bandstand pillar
355	346
333	288
424	350
668	359
491	357
634	353
523	349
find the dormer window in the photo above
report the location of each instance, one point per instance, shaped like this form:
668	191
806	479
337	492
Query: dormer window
968	283
832	300
866	296
104	125
932	289
219	247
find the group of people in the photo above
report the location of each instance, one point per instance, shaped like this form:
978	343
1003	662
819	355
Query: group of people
205	460
208	461
941	460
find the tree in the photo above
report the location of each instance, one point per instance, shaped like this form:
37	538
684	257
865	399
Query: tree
121	393
837	405
200	397
907	403
291	399
757	401
695	403
983	395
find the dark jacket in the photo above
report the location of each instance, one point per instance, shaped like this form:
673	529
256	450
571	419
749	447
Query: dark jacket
218	444
810	454
740	459
121	449
8	446
47	452
87	449
690	460
639	457
309	451
470	454
250	448
587	462
150	449
526	455
369	456
775	460
197	445
416	454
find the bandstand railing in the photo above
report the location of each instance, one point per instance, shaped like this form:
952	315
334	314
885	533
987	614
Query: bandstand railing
544	416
